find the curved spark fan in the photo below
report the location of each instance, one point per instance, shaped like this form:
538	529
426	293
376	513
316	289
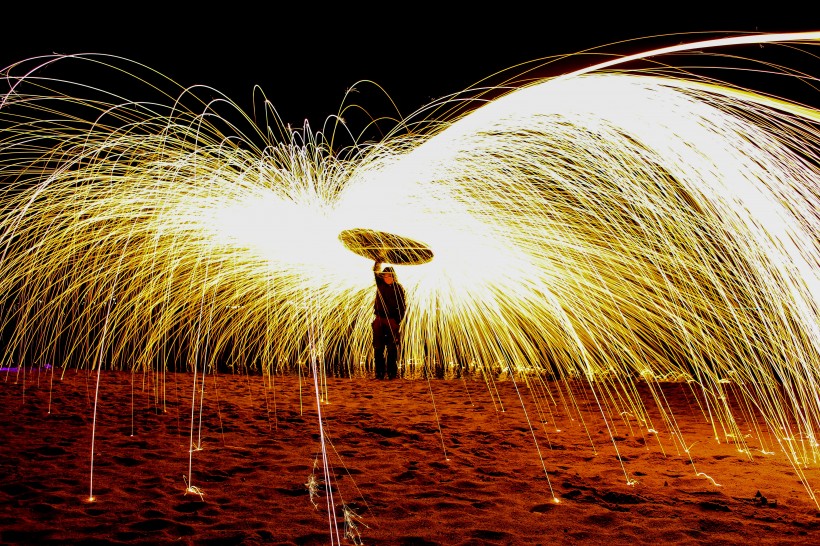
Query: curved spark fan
628	222
385	247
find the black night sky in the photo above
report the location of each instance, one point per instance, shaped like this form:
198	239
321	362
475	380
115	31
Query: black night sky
304	57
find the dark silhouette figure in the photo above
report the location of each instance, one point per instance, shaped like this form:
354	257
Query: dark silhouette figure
389	307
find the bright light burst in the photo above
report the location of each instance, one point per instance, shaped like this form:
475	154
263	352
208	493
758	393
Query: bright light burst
627	222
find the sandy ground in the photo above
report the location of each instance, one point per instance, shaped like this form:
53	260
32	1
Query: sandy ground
450	462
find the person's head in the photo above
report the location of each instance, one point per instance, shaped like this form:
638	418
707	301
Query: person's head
388	275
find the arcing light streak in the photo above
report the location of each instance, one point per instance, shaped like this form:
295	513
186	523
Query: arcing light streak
612	224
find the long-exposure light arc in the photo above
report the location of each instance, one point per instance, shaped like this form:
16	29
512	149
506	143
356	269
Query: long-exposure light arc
610	225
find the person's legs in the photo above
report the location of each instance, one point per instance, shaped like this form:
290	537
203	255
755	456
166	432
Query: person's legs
378	346
392	349
392	357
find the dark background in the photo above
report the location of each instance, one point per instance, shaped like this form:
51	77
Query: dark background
305	56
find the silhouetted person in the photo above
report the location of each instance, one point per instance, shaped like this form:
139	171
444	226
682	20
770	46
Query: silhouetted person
389	307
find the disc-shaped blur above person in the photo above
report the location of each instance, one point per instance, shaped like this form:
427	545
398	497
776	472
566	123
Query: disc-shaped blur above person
385	247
